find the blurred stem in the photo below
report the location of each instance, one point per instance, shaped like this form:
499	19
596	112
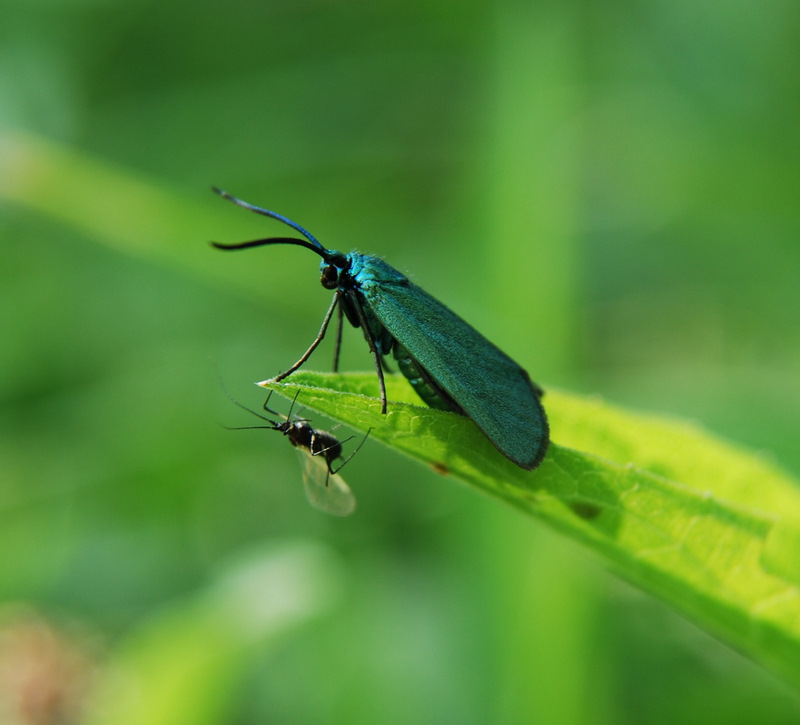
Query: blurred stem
129	213
533	189
533	208
107	204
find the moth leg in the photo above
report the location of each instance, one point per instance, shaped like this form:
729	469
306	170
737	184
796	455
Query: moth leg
317	341
338	339
362	319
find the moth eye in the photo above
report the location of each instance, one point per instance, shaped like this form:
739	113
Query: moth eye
330	277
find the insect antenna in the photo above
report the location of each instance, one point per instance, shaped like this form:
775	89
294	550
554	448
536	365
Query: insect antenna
271	214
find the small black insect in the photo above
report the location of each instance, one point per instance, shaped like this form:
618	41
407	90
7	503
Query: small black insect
319	449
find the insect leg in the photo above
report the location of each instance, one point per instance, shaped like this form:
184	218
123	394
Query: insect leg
362	319
342	465
291	407
338	340
317	341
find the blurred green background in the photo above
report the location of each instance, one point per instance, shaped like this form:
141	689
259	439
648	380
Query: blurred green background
609	191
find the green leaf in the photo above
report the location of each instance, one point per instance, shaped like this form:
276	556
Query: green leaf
702	525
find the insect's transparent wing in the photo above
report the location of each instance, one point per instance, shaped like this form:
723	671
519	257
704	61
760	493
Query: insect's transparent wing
326	492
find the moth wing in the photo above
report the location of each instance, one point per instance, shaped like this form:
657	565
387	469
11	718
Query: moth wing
491	388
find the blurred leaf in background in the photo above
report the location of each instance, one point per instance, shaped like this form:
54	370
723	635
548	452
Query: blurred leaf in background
609	193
